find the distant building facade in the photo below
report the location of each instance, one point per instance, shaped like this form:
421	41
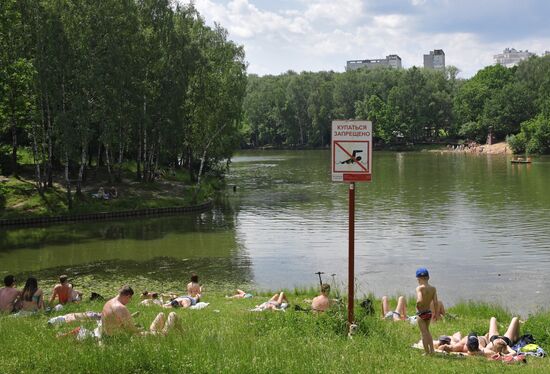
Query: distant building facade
391	61
435	60
511	57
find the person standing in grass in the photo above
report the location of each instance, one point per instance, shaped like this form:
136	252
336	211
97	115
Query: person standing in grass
426	294
8	295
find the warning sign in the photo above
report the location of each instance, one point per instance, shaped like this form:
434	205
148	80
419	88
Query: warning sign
351	151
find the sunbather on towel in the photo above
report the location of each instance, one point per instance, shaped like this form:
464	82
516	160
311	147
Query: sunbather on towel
116	318
501	344
182	302
240	295
400	311
73	317
471	345
277	302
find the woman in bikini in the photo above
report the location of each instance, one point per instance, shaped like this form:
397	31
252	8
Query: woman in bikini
501	344
32	299
276	302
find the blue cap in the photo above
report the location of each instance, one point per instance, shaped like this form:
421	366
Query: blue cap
422	273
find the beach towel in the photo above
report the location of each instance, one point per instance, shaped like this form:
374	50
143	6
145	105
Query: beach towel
199	305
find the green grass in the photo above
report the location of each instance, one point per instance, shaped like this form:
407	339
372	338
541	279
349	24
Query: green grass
226	337
19	197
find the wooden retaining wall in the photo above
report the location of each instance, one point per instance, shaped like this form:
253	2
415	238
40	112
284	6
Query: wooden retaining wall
38	221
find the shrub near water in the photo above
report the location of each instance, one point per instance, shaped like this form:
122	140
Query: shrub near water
226	337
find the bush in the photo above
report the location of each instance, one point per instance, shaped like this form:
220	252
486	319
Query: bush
517	142
534	136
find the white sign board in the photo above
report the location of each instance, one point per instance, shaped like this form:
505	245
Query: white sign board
351	151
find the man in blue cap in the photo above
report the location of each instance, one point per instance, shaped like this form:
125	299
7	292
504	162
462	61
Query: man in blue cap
426	294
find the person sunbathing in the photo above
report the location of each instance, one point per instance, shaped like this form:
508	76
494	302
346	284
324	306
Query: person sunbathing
64	292
194	289
149	295
322	302
240	295
277	302
116	318
183	302
400	311
32	298
9	295
471	345
501	344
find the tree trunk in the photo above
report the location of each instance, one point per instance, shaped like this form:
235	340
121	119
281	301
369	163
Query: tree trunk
14	149
145	156
120	154
138	160
203	158
99	161
68	182
81	170
108	162
49	166
36	158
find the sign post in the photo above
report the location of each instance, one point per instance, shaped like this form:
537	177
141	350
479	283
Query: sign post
351	162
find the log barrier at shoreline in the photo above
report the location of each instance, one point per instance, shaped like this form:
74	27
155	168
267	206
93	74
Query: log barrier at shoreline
100	216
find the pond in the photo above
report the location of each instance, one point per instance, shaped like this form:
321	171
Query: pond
479	224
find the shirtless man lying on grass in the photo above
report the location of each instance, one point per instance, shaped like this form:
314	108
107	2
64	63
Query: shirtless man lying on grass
116	318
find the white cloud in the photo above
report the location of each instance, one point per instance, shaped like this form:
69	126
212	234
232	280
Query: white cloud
312	35
340	12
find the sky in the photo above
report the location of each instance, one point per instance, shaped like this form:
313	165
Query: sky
315	35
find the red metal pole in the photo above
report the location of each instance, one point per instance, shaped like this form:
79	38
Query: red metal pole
351	252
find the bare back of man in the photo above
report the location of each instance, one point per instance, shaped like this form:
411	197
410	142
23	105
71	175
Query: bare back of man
8	295
321	303
116	318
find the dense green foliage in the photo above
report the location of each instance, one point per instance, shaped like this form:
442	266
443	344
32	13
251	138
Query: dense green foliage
405	106
86	83
226	337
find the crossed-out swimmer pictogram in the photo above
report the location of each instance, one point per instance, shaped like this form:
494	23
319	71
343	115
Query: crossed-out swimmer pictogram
352	157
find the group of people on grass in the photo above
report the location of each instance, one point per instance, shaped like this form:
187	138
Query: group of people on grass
31	298
430	309
116	318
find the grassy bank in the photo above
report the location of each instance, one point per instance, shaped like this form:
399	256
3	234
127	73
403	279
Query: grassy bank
226	337
19	197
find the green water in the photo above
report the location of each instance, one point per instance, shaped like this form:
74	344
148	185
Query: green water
479	223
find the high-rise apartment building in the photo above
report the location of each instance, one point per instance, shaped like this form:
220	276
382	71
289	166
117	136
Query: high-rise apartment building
435	60
392	61
510	57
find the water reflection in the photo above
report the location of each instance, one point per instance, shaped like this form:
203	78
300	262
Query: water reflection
161	247
478	222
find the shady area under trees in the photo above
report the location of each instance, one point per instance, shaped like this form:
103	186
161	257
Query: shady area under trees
113	93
